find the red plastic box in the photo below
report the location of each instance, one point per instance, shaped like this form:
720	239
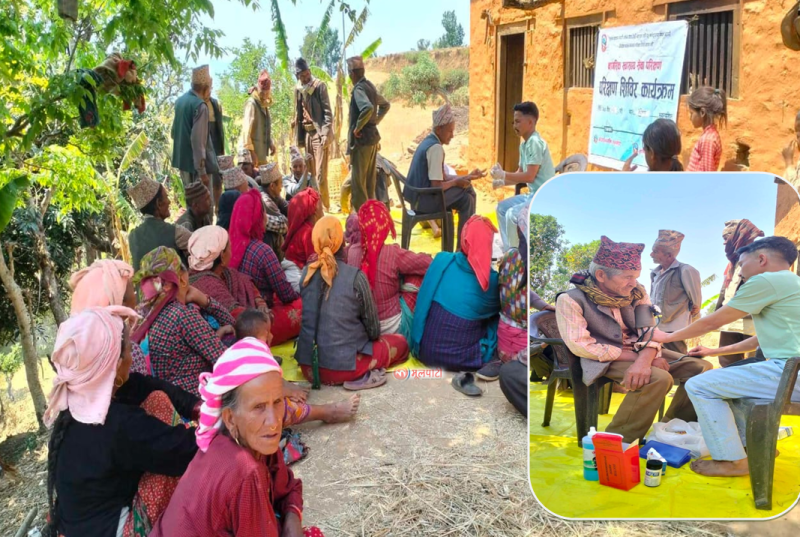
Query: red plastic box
618	467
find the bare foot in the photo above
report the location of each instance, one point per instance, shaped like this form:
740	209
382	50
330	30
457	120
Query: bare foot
341	411
296	393
712	468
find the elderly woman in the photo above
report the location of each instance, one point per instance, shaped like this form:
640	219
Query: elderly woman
737	234
238	483
110	427
252	257
388	268
304	211
352	233
179	342
209	256
340	341
455	321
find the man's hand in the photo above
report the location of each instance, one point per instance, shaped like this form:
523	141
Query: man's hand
477	173
549	308
272	150
701	352
463	183
292	526
204	180
225	330
629	166
498	183
788	153
638	374
659	336
323	140
661	363
195	296
356	133
695	310
498	173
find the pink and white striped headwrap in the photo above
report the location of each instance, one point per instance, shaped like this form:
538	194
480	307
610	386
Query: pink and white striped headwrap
241	363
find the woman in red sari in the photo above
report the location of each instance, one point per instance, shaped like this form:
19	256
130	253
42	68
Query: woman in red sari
304	211
209	257
251	256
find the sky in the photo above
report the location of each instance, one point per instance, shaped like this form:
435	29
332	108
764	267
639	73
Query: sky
399	24
632	207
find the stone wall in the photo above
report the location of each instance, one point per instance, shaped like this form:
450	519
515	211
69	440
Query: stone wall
762	116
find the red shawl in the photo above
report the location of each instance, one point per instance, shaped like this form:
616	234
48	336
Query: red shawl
376	223
298	245
476	244
247	224
743	235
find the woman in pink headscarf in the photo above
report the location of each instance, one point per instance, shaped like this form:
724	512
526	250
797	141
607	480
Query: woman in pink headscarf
113	444
238	483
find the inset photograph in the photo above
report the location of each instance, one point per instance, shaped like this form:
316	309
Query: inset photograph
665	349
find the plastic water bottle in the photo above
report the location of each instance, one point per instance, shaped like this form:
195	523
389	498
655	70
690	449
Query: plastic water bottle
589	459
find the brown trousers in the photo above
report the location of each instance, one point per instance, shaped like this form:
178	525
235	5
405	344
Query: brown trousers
638	410
319	165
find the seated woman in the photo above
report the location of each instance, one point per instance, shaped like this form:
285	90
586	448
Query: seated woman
209	256
304	211
455	321
107	282
110	427
179	342
387	267
352	234
250	256
226	203
238	483
340	320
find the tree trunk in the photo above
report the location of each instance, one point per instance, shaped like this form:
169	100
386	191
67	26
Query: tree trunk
50	284
29	356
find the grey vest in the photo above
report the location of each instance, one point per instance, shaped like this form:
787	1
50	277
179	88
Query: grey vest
151	234
341	333
369	134
603	328
418	171
262	131
674	300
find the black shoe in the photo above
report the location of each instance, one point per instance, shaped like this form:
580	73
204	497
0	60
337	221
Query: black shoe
490	371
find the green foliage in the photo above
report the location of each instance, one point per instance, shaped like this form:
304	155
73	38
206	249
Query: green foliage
11	360
372	48
423	44
454	79
545	244
321	47
453	32
394	87
9	194
422	79
570	260
281	41
460	97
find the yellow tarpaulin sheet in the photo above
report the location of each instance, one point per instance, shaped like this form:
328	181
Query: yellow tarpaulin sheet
556	471
421	241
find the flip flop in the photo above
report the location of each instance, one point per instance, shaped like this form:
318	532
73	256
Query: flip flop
373	379
465	383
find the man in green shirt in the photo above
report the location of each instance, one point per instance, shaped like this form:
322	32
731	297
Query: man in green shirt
771	294
367	110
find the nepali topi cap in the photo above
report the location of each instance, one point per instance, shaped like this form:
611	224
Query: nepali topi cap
201	76
144	192
356	62
233	178
226	162
670	239
244	157
195	192
269	173
443	116
619	255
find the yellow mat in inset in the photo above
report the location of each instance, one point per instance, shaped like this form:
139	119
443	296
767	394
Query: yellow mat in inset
556	472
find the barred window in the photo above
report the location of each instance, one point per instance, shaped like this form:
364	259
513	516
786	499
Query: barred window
581	55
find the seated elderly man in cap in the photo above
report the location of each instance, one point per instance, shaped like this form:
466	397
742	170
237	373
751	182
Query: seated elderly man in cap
597	323
235	179
198	211
277	208
427	170
152	199
300	178
674	287
246	164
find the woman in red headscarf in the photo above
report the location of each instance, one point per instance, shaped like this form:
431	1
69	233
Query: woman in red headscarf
252	257
394	274
458	307
305	209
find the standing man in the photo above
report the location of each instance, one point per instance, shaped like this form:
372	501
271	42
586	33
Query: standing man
674	287
535	168
367	110
192	149
427	171
257	123
216	132
314	121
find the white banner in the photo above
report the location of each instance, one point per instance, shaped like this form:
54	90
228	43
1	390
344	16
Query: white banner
637	80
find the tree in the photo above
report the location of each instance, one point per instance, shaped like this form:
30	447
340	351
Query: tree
453	32
571	259
44	69
545	245
423	44
322	49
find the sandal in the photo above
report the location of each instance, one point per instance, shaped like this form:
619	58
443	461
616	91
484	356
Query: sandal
373	379
465	383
